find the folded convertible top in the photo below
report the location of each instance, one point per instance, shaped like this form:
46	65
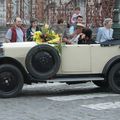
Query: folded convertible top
111	42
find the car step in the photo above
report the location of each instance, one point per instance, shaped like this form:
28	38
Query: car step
76	79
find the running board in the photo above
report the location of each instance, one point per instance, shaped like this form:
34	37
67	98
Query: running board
81	79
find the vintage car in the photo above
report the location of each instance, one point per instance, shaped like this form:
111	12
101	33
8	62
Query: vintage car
28	62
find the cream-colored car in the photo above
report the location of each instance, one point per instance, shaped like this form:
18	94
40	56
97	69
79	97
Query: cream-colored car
26	63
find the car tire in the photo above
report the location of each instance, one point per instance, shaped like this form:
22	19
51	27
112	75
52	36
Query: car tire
114	78
42	61
11	81
102	84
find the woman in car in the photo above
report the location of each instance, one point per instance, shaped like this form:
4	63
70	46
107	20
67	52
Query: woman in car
105	33
87	38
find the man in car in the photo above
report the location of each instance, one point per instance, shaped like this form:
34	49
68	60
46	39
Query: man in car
75	36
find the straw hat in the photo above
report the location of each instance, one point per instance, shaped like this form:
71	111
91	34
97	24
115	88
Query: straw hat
79	25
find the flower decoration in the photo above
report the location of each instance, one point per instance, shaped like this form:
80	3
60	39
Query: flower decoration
37	37
46	35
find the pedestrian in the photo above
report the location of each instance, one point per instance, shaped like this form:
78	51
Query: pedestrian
75	15
16	33
66	35
79	19
32	29
106	32
58	28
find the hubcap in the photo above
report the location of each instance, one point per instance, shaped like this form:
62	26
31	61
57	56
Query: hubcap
43	62
8	82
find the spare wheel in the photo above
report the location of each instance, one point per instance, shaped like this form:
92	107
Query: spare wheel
43	61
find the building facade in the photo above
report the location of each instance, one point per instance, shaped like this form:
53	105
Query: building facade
93	11
26	9
2	12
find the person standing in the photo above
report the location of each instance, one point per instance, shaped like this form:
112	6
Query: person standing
105	33
79	19
58	28
16	33
75	15
33	28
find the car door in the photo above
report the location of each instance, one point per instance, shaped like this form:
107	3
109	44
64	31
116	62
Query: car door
76	59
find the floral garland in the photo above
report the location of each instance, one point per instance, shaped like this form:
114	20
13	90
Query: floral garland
46	35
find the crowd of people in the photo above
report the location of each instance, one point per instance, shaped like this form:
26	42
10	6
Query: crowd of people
74	33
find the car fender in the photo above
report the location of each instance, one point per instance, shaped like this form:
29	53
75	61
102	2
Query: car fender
9	60
109	64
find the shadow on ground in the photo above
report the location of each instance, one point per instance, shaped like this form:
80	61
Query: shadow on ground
62	90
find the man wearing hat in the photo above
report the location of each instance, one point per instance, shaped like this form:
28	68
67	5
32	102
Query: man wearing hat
74	37
78	32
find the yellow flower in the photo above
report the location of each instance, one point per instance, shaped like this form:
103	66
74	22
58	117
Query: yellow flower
36	36
47	35
46	26
55	40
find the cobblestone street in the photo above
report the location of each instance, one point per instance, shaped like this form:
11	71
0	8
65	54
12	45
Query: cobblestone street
61	102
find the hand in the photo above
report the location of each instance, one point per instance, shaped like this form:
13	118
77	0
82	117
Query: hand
82	35
32	33
66	41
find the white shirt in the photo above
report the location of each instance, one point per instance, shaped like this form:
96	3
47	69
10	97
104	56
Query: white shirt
74	40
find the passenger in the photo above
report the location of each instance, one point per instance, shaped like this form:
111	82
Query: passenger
105	33
87	39
33	28
75	37
16	33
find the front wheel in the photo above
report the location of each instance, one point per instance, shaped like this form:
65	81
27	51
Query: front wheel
11	81
114	78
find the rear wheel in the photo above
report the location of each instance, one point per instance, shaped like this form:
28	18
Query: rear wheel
11	81
114	78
